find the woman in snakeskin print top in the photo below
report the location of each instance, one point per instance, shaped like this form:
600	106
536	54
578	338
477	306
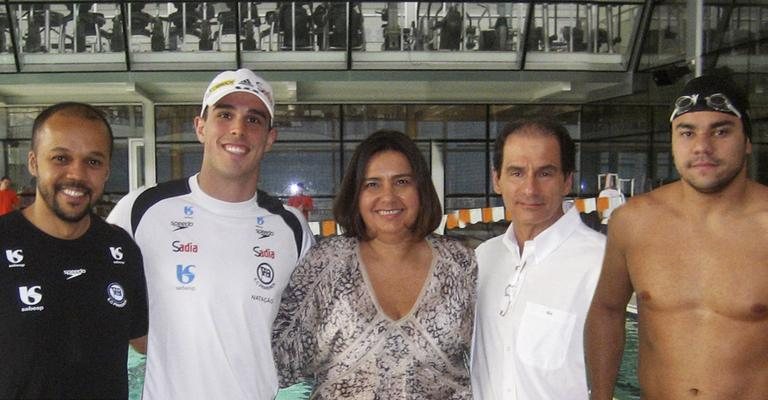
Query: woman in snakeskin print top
386	310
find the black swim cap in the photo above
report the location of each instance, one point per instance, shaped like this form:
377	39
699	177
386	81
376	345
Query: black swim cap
714	93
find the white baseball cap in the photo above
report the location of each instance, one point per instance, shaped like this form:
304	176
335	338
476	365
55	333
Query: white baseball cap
242	80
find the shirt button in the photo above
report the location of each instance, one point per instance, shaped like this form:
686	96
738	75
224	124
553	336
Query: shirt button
509	348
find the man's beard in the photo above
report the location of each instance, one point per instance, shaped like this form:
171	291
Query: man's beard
717	185
53	203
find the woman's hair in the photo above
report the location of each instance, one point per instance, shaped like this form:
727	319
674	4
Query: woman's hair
346	208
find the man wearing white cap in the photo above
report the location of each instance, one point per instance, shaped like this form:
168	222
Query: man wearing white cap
217	253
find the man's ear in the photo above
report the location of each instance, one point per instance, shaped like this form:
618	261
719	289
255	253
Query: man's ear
495	180
32	163
199	131
271	138
568	185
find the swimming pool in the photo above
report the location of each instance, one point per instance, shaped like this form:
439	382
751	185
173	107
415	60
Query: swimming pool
627	387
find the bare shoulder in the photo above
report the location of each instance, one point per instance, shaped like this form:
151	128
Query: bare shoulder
756	205
644	208
757	195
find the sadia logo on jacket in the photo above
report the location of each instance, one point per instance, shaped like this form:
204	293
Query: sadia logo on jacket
263	252
179	247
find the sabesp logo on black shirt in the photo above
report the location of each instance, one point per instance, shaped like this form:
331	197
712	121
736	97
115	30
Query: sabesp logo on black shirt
31	296
117	254
14	257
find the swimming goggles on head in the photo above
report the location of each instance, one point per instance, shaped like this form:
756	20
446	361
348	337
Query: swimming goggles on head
717	102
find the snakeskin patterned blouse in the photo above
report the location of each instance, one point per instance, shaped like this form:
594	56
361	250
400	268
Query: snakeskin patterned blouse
331	332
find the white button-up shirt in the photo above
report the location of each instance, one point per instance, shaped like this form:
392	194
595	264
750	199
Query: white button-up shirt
531	308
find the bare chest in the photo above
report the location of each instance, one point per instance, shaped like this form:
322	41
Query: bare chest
677	267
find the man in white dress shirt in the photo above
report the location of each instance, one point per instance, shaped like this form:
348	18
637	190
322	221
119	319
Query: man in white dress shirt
537	279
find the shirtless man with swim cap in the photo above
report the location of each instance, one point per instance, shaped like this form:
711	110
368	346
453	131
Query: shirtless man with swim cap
694	251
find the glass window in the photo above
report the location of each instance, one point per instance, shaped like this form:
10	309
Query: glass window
20	121
181	35
299	26
737	38
14	157
431	121
362	120
606	121
664	42
495	200
316	165
463	202
177	160
182	26
323	208
307	122
7	61
432	35
448	121
466	168
588	36
758	164
127	121
118	174
629	159
664	165
299	34
176	123
68	36
759	124
661	128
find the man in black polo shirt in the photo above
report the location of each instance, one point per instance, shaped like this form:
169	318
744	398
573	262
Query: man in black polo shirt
72	289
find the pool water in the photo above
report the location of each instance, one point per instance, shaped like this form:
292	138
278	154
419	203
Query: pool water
135	374
627	387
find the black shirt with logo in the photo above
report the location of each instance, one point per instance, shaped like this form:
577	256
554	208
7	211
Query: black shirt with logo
67	311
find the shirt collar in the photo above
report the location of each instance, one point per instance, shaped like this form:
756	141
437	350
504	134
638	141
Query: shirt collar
220	206
541	246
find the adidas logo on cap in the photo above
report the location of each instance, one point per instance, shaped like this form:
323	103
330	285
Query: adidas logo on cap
248	82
